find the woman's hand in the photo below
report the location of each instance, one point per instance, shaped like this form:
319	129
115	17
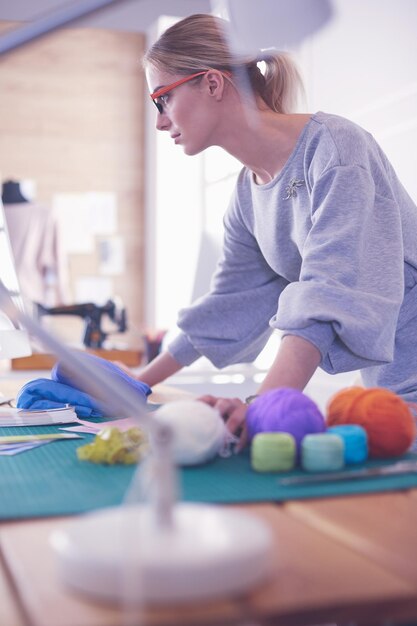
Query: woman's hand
233	411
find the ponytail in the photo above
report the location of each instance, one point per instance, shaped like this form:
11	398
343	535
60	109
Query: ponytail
282	82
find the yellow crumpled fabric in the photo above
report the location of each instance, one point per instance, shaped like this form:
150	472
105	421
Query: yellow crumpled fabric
112	446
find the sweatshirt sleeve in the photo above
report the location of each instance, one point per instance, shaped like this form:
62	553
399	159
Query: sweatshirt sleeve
351	284
230	324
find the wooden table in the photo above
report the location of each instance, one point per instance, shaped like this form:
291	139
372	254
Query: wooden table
344	560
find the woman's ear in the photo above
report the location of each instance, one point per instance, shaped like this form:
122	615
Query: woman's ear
215	83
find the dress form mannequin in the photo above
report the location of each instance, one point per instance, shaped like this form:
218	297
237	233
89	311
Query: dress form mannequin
11	193
34	237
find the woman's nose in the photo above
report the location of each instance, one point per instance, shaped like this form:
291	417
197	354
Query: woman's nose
162	121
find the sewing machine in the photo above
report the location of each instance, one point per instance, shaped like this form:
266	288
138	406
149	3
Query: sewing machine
93	336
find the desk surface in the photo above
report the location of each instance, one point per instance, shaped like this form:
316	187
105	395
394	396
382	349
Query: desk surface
318	576
338	559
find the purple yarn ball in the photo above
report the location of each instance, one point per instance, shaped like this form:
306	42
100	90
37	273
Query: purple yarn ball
284	410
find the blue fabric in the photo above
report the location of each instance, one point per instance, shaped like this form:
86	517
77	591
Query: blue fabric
59	374
42	393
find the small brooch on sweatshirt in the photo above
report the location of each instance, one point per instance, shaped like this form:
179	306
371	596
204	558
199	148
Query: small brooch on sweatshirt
291	189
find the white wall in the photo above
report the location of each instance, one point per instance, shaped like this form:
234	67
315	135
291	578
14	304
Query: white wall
363	66
174	201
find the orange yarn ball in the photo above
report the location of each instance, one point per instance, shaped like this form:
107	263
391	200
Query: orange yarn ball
386	418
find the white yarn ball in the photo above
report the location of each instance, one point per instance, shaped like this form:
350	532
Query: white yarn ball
199	431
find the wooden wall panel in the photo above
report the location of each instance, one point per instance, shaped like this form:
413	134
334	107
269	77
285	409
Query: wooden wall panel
71	118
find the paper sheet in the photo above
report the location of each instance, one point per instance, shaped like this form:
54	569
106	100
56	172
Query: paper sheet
82	216
20	417
92	427
112	256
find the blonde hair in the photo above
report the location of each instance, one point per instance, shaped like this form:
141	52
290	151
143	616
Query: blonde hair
201	42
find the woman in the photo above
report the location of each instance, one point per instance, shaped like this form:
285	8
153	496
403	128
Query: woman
320	236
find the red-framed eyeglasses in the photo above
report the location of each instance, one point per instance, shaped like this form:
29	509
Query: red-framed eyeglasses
157	96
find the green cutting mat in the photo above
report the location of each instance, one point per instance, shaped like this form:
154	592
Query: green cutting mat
50	480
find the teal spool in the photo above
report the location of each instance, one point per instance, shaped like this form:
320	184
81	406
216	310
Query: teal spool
273	452
323	452
355	439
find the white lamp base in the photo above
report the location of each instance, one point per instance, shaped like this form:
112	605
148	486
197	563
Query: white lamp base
120	555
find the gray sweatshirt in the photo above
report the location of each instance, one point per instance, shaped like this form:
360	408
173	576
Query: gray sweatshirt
326	251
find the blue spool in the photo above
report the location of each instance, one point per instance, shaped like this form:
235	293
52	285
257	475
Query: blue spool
322	452
355	440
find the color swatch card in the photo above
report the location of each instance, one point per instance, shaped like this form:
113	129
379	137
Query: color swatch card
14	444
10	449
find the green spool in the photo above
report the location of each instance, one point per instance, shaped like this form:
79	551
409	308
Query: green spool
273	452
